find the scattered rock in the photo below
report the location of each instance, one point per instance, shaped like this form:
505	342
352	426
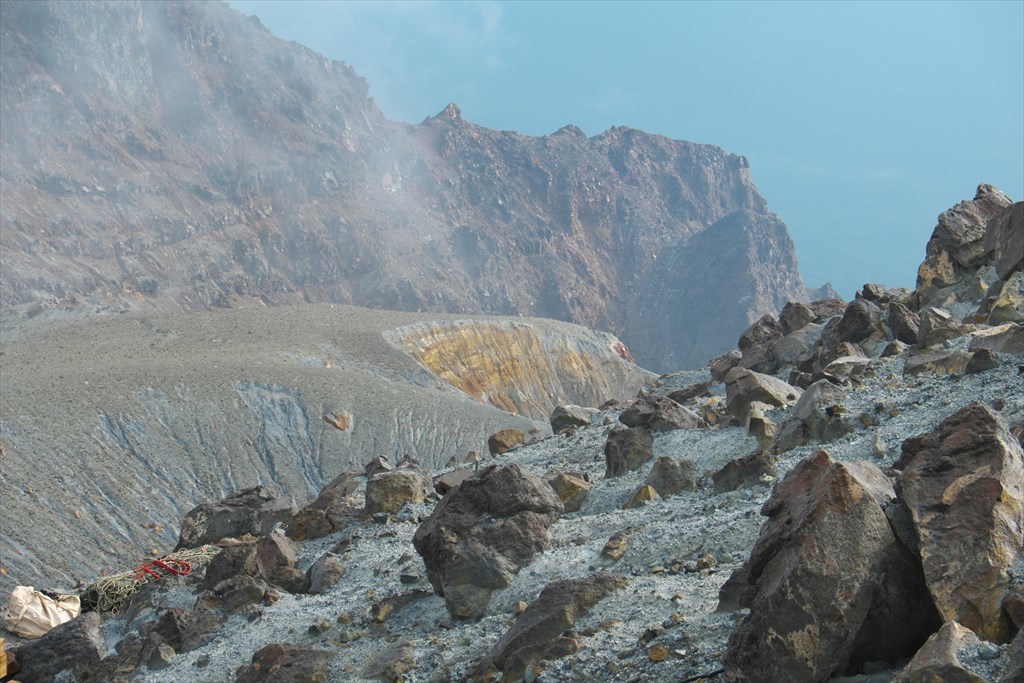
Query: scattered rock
390	491
626	450
743	387
643	495
570	416
254	511
938	660
861	320
504	441
684	394
659	413
239	591
756	469
326	514
539	632
790	349
723	364
617	544
325	573
449	480
1004	240
1006	338
392	663
795	316
377	465
938	326
571	490
904	323
963	484
1008	306
847	368
981	361
482	533
286	663
819	410
946	362
273	551
830	585
669	476
75	646
232	560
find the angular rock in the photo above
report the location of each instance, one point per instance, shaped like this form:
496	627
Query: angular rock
504	441
75	646
938	660
684	394
392	662
273	551
1013	671
286	663
904	323
756	469
1006	338
172	626
232	560
894	348
743	387
449	480
947	362
824	309
847	368
626	450
789	349
722	364
571	490
1004	240
660	414
1008	306
860	320
937	326
482	533
325	573
980	361
390	491
819	410
761	333
254	511
323	516
289	579
794	316
669	476
829	584
539	631
239	591
963	484
644	494
377	465
570	416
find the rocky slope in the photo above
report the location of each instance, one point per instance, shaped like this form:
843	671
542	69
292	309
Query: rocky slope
880	440
176	155
113	423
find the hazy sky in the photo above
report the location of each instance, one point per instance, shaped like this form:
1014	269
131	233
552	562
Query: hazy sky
862	120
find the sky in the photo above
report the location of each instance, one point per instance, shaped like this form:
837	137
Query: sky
862	121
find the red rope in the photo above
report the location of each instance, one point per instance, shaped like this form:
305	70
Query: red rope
181	569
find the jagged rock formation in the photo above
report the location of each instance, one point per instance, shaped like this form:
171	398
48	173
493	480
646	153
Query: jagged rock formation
177	155
112	423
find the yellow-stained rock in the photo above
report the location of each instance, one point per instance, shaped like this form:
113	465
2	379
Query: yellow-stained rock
644	494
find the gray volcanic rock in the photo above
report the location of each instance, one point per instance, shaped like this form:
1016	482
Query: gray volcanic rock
483	532
626	450
660	413
178	155
75	647
1004	239
253	511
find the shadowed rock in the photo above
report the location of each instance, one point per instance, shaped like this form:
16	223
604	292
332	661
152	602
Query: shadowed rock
75	646
829	584
538	632
483	532
963	484
743	387
286	663
569	416
670	475
254	511
660	414
627	449
938	660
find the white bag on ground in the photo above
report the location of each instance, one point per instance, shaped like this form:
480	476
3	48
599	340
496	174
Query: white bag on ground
31	614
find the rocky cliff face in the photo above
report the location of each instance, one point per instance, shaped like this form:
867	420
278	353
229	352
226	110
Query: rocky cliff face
179	156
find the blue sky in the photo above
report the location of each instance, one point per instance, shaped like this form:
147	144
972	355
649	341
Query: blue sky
862	120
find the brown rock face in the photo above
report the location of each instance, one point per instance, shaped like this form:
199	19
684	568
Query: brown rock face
627	449
660	414
483	532
830	586
937	659
178	155
538	630
253	511
963	484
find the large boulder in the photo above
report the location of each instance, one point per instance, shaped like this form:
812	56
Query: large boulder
390	491
504	441
670	476
253	511
75	647
660	414
626	450
743	387
286	663
861	320
942	362
794	316
571	489
797	344
539	632
328	513
904	323
1006	338
829	585
963	485
1008	306
570	417
939	325
756	342
818	410
483	532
